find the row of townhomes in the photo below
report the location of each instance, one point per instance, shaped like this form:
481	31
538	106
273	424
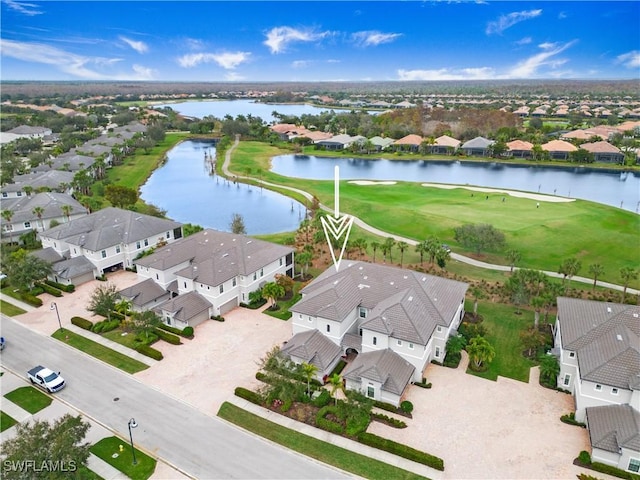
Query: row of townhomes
44	195
598	344
602	150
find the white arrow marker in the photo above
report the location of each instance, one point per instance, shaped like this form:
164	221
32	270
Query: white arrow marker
336	226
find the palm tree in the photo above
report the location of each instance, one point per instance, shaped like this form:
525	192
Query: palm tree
66	211
596	270
402	246
477	294
422	249
309	371
336	384
549	369
480	351
389	243
513	256
627	274
568	269
8	215
38	212
537	303
28	190
375	246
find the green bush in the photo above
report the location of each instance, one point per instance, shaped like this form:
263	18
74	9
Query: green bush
338	368
323	399
82	323
30	299
61	286
217	318
406	406
326	424
616	472
118	315
167	337
386	406
401	450
49	289
36	290
187	332
149	352
249	395
394	422
98	326
584	457
452	360
570	419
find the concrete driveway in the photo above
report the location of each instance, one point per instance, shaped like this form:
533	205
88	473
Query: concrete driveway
482	429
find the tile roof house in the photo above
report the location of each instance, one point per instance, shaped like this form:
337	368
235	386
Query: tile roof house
370	307
144	295
614	433
558	149
187	310
520	149
477	147
111	238
604	152
445	144
27	131
50	180
336	142
314	348
222	267
381	143
70	161
409	143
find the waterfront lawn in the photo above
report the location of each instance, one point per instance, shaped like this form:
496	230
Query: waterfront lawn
328	453
504	327
29	398
99	351
108	449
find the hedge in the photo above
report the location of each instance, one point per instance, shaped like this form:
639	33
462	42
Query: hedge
338	368
217	318
118	315
30	299
386	406
105	326
570	419
323	399
328	425
401	450
82	323
394	422
249	395
167	337
49	289
584	460
149	352
61	286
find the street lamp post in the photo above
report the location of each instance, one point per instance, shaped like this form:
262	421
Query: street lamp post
54	306
132	424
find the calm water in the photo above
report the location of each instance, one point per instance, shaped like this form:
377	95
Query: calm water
607	187
220	108
184	188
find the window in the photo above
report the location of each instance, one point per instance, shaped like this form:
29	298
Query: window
280	262
27	224
168	234
157	277
255	275
598	387
137	244
234	282
634	465
370	391
437	352
375	341
572	354
262	272
4	195
146	242
614	391
411	346
360	332
362	312
328	327
103	253
185	284
221	288
439	329
567	380
399	343
19	194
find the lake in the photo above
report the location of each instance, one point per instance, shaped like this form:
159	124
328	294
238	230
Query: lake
609	187
184	188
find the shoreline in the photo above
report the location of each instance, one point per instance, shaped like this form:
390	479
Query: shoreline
512	193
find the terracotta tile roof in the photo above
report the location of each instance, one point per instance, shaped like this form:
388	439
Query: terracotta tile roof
447	141
558	146
600	147
579	134
409	140
519	145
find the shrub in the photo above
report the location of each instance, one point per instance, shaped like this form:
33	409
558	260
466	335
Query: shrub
187	331
394	422
401	450
570	419
338	368
249	395
406	406
30	299
81	322
117	315
101	278
49	289
452	360
167	337
217	318
149	352
323	399
326	424
36	290
584	457
61	286
97	327
110	325
616	472
386	406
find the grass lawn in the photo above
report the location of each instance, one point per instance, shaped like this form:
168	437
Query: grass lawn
29	398
107	355
504	328
545	236
328	453
6	421
9	309
107	447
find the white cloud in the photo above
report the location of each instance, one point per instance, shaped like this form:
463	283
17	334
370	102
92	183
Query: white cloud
226	60
138	46
278	38
25	8
481	73
373	38
524	41
77	66
630	59
509	20
528	67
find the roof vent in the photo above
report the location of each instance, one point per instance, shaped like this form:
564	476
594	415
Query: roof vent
635	315
405	277
619	337
365	277
390	283
225	255
608	309
409	299
435	299
360	267
424	278
249	242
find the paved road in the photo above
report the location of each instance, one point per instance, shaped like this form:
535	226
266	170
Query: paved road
196	444
376	231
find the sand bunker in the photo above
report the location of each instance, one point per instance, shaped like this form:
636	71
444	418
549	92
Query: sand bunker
370	182
513	193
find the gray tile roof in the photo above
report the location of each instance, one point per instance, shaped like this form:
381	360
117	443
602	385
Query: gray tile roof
69	161
614	426
48	179
185	307
48	255
73	267
605	337
478	142
402	303
110	226
384	366
143	292
215	256
51	202
314	348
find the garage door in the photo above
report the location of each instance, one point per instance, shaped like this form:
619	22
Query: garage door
230	305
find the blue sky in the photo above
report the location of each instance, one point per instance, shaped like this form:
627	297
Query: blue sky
318	41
